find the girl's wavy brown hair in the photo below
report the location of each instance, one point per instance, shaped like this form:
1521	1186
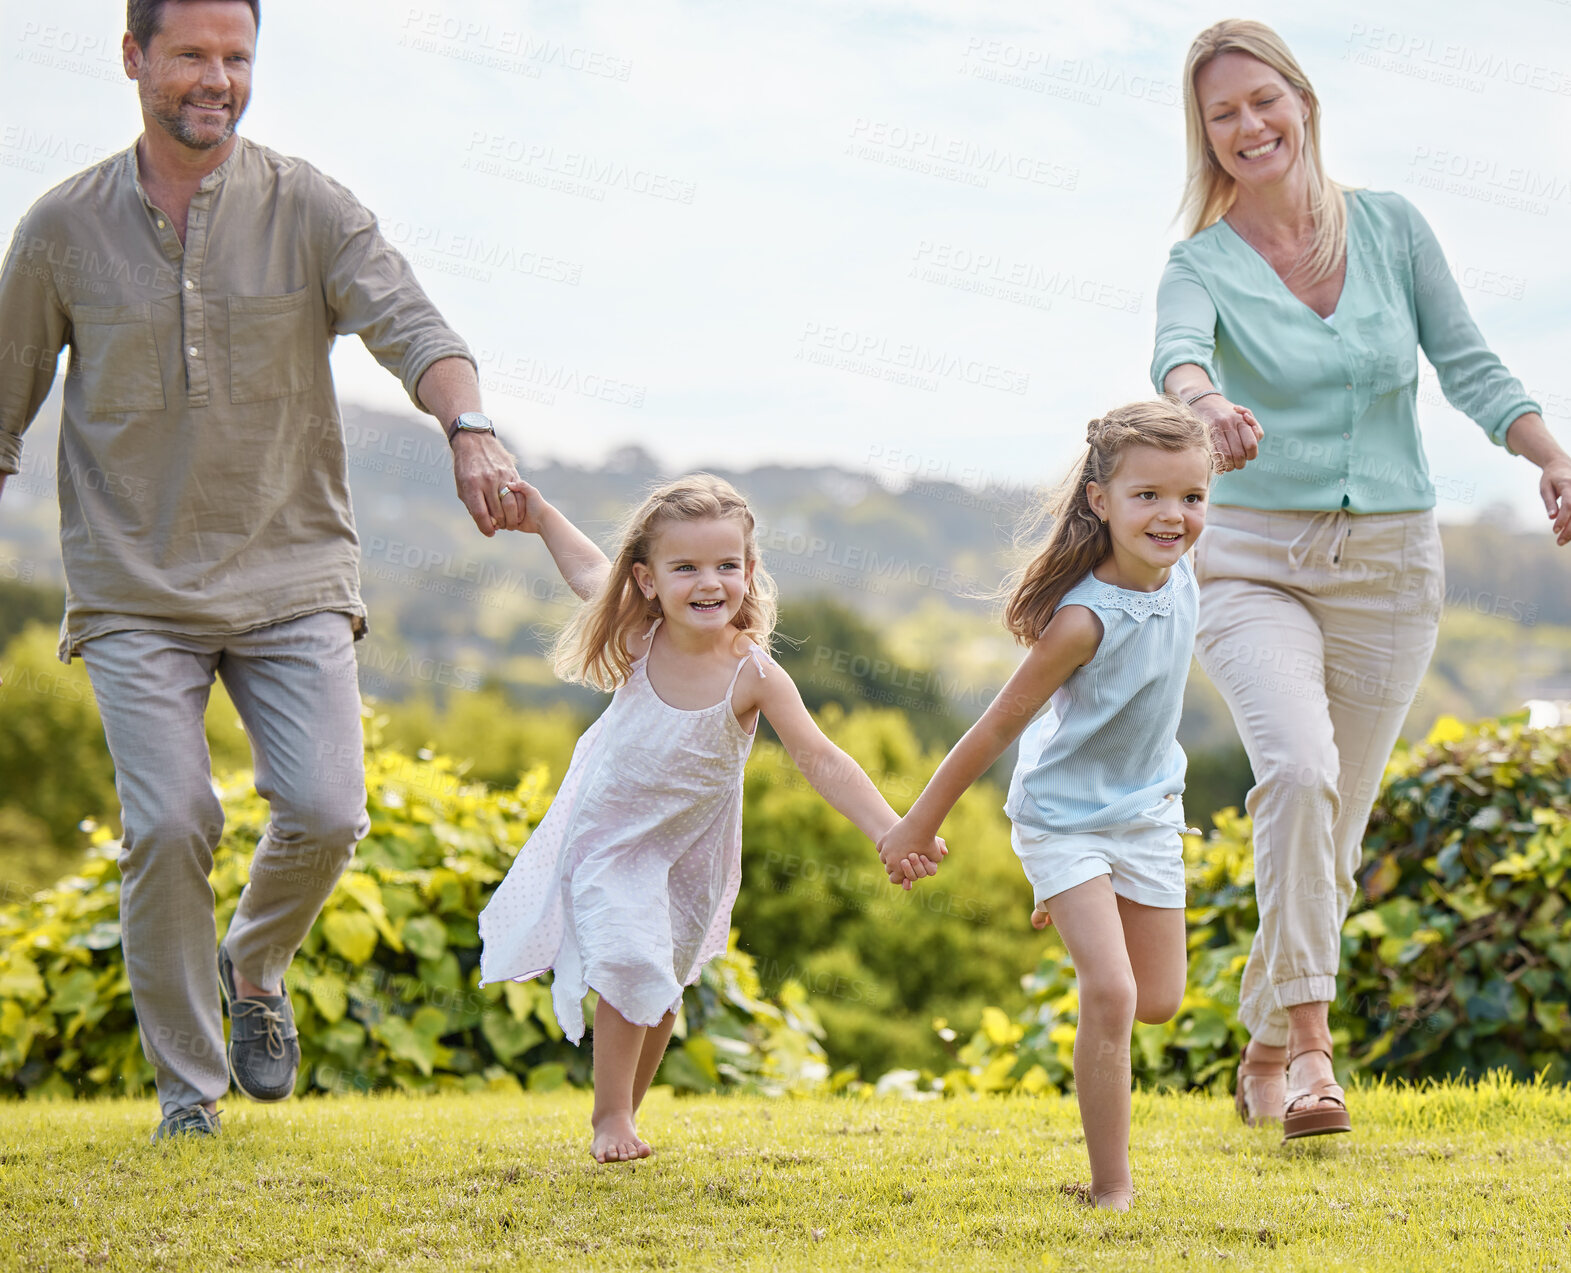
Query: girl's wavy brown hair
1076	539
593	648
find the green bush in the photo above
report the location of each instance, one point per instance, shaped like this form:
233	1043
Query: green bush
54	764
385	987
879	962
1455	959
492	738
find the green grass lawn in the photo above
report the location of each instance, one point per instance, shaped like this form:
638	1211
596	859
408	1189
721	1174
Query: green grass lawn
1451	1178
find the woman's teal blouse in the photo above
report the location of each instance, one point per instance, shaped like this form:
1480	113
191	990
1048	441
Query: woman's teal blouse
1337	397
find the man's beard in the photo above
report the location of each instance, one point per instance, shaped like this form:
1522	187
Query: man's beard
183	131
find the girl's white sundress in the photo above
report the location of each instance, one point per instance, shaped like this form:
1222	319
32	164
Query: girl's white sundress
626	885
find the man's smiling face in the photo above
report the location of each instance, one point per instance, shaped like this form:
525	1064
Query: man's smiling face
194	77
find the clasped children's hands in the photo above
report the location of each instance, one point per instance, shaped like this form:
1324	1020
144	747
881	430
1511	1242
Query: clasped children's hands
909	855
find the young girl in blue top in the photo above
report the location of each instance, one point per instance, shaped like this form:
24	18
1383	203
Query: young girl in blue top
1107	611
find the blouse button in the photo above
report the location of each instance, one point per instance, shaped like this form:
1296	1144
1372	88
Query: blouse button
1345	436
1347	386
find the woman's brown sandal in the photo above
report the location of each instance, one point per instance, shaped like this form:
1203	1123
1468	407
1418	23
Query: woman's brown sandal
1263	1101
1319	1118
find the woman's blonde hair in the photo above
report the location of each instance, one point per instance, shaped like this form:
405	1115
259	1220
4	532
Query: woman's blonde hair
1209	191
1077	539
592	649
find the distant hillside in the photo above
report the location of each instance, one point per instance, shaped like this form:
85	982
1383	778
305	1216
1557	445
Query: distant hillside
451	609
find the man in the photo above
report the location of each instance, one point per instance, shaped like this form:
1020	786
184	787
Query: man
199	280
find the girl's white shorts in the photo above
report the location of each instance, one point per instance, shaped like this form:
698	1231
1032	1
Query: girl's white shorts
1145	857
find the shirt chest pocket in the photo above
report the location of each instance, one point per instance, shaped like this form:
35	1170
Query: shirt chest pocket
272	346
115	352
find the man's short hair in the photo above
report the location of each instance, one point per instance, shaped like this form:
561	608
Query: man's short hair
143	18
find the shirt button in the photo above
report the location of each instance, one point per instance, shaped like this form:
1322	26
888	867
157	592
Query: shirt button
189	285
1347	386
1341	481
1345	436
160	224
192	351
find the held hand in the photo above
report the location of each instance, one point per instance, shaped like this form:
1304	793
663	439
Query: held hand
481	468
535	506
1235	433
1555	487
907	855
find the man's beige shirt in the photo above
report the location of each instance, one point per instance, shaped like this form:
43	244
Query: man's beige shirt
202	467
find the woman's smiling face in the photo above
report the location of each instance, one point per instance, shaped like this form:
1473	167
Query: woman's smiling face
1254	119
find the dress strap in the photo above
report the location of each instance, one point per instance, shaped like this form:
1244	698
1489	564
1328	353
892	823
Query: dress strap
649	638
758	657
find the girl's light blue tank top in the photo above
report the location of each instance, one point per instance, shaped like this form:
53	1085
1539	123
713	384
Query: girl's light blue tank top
1105	748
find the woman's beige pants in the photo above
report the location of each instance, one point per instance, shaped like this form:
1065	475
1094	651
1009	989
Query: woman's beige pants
1316	628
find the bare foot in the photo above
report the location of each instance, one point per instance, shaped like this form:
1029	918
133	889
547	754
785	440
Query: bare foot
616	1140
1116	1199
1040	918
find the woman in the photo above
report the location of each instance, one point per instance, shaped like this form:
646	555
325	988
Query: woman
1305	303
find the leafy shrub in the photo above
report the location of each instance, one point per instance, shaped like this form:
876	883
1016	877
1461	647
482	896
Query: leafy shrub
1455	958
54	765
817	907
385	987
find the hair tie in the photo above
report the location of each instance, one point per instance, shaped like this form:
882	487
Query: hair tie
1091	431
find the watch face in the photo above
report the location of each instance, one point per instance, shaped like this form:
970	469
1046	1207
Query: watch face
475	421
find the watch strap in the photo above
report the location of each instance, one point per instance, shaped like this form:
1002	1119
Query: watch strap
454	429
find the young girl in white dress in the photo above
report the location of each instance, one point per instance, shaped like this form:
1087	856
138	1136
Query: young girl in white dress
1107	610
626	886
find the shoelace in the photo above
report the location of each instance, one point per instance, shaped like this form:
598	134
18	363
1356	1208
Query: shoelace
193	1118
271	1018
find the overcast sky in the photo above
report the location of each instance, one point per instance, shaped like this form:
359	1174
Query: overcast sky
724	230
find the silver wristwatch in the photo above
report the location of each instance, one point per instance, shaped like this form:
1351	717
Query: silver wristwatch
470	422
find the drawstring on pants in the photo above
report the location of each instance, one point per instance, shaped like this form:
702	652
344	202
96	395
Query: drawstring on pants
1328	531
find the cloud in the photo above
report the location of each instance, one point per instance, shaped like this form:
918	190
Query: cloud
742	232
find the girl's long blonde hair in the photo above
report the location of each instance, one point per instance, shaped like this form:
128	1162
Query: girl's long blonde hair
1077	539
592	649
1208	190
